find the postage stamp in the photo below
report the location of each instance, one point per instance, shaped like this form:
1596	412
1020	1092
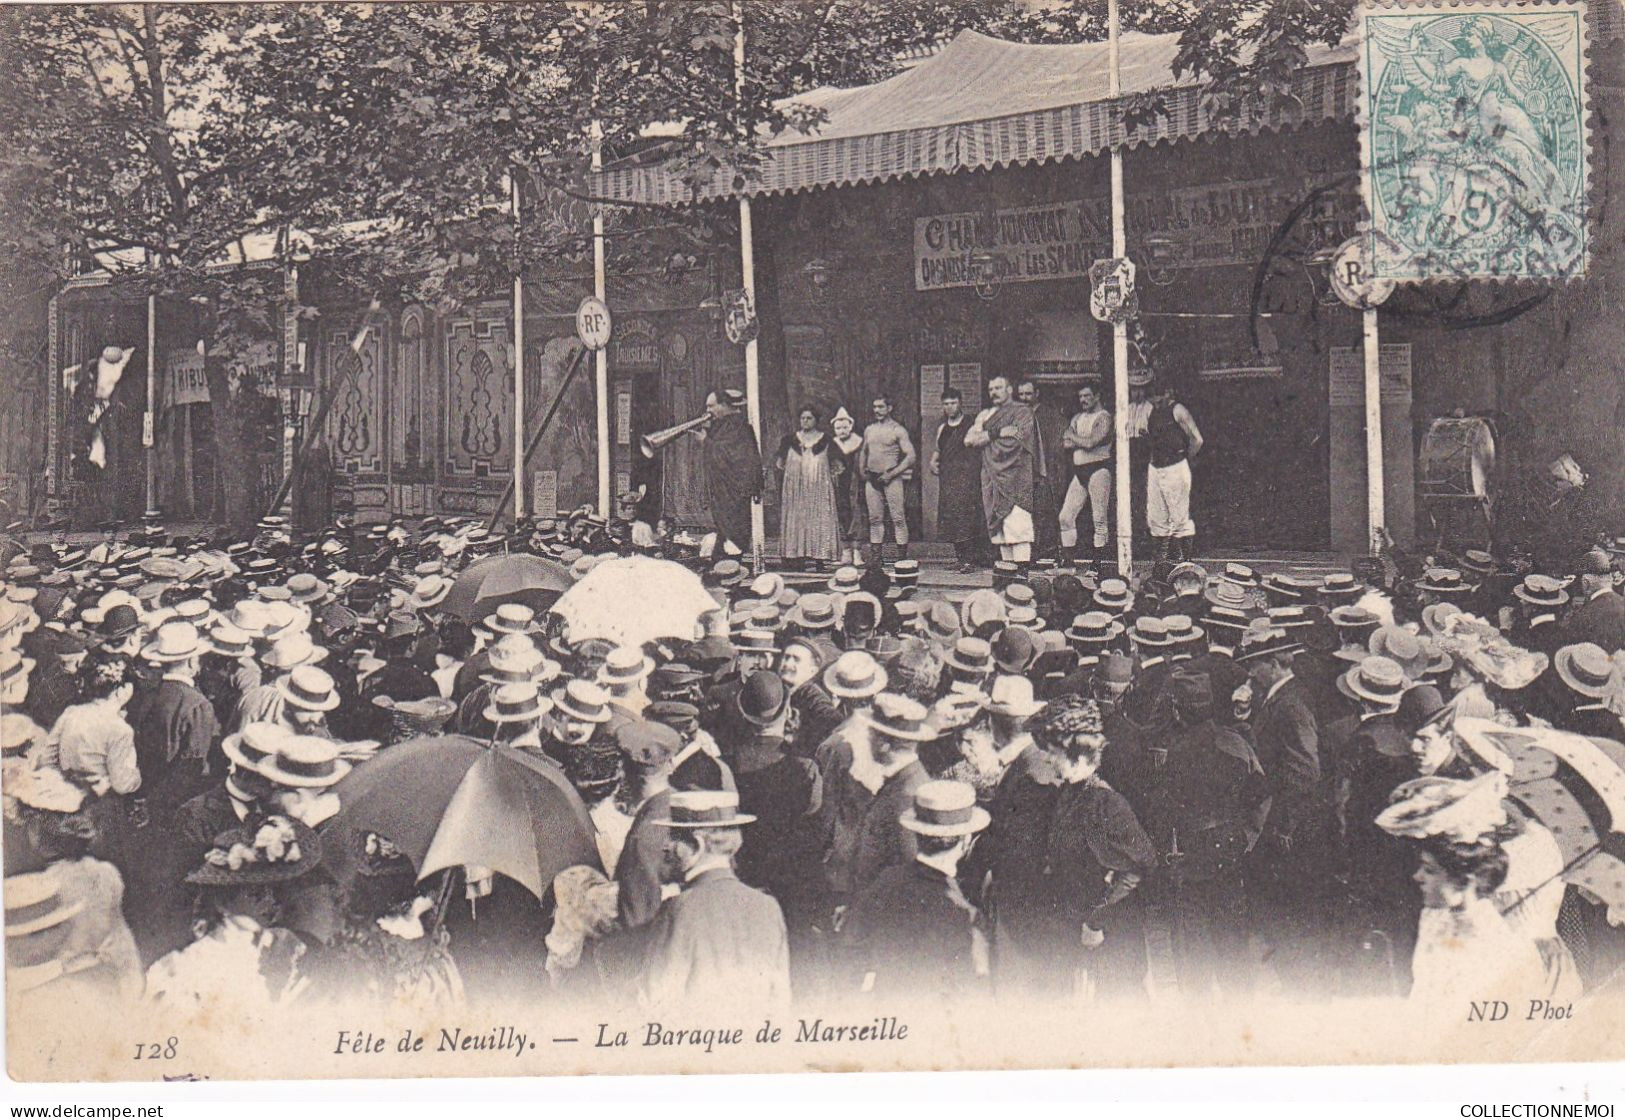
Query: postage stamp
1474	153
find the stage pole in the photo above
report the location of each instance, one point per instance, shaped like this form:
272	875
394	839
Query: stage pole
747	272
1120	400
600	357
149	423
518	359
1376	514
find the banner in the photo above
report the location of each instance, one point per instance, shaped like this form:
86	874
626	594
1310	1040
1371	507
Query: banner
1191	227
184	380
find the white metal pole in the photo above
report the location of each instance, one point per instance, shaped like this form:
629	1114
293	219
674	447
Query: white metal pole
1120	402
1376	516
600	356
149	423
747	271
518	363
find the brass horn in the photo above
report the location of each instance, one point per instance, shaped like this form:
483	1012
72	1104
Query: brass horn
654	441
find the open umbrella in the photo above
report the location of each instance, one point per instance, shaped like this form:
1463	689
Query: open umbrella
635	599
515	578
451	800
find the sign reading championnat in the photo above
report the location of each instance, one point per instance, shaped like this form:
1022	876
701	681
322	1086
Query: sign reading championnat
1029	243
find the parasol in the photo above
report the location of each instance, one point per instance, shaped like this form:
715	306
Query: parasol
631	600
1581	802
515	578
451	800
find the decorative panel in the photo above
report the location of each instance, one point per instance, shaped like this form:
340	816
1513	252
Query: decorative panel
413	433
355	426
477	422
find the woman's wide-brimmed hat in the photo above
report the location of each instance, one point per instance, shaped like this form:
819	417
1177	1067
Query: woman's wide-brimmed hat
945	808
901	717
1587	669
517	703
583	701
704	808
1460	810
305	762
1377	679
855	675
276	850
308	688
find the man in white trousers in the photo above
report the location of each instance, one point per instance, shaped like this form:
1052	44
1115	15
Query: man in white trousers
1012	459
1172	440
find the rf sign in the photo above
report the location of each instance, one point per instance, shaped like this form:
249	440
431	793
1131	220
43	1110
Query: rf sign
593	323
1353	280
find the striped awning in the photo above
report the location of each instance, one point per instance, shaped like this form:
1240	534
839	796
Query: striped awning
983	103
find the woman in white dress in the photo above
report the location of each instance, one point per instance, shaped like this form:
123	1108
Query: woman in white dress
808	526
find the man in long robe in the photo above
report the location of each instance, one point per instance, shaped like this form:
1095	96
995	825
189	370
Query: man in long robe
733	468
959	490
1012	460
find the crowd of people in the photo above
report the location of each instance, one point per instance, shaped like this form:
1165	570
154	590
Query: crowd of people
1069	784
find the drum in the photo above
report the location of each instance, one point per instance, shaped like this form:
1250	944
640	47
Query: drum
1458	458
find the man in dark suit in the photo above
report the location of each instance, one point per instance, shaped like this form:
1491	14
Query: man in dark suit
898	725
717	940
1598	614
912	932
1288	867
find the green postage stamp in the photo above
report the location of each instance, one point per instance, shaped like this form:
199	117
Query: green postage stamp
1474	153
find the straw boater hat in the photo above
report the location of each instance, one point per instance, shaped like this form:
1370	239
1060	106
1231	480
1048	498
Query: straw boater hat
583	701
939	621
1290	585
1542	591
1261	639
1379	680
855	676
250	616
305	762
625	665
982	607
1150	632
1113	596
944	808
309	689
1479	562
511	618
228	641
1587	669
1403	648
18	733
813	612
517	703
1094	628
430	591
756	640
1013	696
704	808
175	641
901	718
255	743
293	650
302	587
970	656
767	587
1338	586
514	658
845	581
34	903
1444	581
729	573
